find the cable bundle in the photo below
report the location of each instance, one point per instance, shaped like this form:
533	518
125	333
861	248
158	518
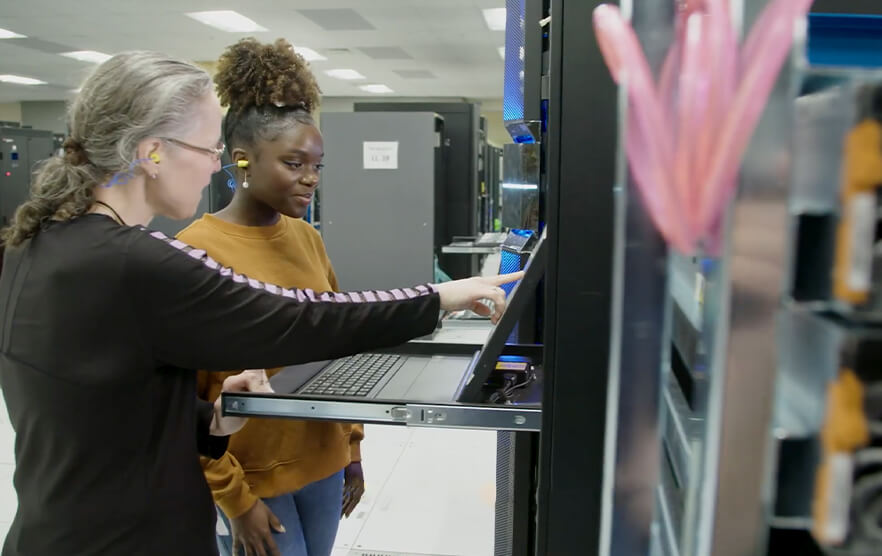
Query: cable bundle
710	94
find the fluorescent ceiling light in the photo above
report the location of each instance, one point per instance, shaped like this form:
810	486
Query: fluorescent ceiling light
502	52
19	80
377	89
88	56
227	20
6	34
348	74
309	54
495	18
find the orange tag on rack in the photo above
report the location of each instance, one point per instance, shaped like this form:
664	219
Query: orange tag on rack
861	180
512	365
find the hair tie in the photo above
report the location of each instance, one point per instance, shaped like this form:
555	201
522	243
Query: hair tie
73	152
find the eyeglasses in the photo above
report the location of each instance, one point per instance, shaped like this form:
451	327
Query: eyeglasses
215	152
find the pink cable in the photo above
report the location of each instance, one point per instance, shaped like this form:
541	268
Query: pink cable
688	7
692	106
711	109
671	66
640	169
753	92
621	50
723	49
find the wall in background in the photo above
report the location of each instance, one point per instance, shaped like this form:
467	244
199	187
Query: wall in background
496	132
10	112
48	114
45	115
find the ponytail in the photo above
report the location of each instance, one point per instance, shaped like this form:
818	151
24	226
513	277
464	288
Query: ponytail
132	96
61	190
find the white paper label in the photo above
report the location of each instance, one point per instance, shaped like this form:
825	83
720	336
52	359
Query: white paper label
699	288
381	155
838	497
863	229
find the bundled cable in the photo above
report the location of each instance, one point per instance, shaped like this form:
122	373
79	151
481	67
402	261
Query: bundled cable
710	93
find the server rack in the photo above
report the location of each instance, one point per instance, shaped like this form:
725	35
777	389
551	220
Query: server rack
21	149
614	333
581	218
461	125
371	216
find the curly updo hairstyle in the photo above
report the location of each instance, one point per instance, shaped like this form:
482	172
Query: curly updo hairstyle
267	87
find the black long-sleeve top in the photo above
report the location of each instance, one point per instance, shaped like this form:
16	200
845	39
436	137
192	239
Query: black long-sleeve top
100	328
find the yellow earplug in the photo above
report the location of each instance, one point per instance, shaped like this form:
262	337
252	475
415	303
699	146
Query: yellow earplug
154	157
242	164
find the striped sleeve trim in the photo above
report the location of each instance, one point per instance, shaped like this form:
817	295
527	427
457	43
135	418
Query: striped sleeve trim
398	294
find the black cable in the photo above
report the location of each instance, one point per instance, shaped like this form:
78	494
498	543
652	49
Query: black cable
511	384
110	208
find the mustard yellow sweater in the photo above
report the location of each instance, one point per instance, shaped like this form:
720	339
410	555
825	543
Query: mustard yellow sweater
271	457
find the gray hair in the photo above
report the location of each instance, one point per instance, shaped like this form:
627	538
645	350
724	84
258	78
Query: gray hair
132	96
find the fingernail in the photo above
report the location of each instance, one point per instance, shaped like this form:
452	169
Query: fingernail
282	528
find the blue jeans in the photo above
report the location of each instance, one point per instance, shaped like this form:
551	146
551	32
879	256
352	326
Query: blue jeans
310	517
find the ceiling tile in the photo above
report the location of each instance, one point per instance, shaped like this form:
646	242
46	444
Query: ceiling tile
386	53
41	45
338	20
415	74
448	50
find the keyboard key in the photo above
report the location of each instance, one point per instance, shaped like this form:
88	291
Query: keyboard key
355	376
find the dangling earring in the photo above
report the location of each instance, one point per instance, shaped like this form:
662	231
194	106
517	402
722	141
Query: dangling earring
245	184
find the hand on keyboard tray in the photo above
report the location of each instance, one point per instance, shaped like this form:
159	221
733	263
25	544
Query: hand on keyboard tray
254	380
480	294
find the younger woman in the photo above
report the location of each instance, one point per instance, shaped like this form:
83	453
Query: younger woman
279	475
